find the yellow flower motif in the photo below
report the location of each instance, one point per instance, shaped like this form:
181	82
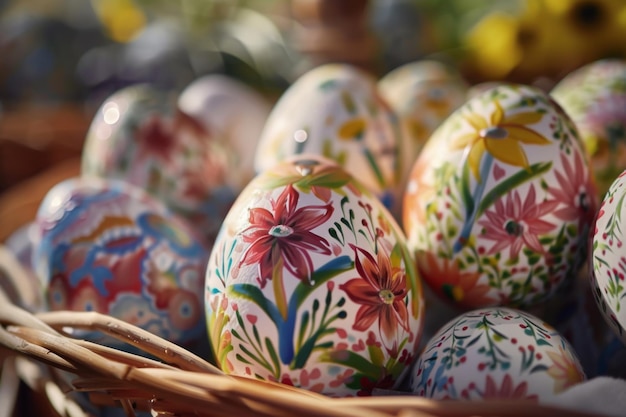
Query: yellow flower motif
564	370
352	129
501	136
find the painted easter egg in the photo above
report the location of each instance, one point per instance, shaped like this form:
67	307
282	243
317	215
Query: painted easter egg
335	111
236	112
140	136
107	246
496	353
423	93
310	283
608	257
595	98
500	200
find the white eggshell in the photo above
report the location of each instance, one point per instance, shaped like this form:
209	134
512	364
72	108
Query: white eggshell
336	111
608	257
310	283
423	94
235	112
496	353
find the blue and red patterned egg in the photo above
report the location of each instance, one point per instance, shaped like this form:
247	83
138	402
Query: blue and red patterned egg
500	200
140	136
594	97
107	246
310	283
496	353
336	111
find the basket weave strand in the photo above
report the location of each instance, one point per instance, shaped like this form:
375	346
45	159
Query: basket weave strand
177	382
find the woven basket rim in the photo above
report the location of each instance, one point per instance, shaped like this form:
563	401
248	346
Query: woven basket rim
39	347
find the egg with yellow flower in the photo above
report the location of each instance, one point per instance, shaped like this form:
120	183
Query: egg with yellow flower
500	200
336	111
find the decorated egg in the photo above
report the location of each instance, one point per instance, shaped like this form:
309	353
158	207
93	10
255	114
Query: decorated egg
608	257
423	93
500	200
495	353
107	246
310	283
140	136
335	111
235	112
595	98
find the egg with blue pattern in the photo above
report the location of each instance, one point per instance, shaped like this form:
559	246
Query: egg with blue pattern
109	247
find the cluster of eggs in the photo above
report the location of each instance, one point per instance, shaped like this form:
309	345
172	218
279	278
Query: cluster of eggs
304	231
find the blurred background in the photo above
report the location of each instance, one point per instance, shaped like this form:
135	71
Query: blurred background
59	59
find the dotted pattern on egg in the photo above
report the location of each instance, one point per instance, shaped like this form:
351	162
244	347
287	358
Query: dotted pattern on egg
495	353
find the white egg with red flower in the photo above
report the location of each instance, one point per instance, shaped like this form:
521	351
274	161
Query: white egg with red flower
500	200
139	135
496	353
310	283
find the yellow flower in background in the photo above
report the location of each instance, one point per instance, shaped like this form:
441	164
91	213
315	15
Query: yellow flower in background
122	19
493	47
546	38
501	136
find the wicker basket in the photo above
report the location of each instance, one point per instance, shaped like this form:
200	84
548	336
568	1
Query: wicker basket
38	349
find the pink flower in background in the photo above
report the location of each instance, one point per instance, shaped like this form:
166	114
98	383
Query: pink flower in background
283	235
381	290
515	224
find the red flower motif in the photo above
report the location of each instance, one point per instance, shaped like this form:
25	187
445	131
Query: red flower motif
514	224
452	282
381	290
284	235
507	390
155	138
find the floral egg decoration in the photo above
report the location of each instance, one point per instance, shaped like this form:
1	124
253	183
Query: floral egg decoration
107	246
608	258
495	353
336	111
310	283
139	135
594	96
500	200
423	93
